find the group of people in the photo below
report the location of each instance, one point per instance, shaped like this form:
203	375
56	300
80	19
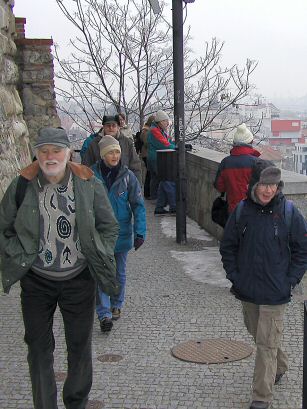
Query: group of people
152	138
66	230
264	254
65	233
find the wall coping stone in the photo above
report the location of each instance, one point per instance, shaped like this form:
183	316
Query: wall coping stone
295	183
34	41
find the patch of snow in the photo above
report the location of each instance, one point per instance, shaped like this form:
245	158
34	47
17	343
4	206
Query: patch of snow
193	230
205	265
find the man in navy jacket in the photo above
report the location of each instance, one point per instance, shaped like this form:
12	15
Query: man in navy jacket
264	258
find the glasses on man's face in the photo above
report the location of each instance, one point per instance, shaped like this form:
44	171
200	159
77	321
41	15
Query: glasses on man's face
270	186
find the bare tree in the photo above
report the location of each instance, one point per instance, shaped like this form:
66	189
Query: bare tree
123	61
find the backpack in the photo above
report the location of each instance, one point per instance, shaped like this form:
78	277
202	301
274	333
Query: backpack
219	210
21	188
288	212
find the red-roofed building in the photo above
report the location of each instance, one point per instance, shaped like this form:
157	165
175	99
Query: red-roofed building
286	132
269	153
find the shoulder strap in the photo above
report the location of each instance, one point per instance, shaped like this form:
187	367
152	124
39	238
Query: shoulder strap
288	213
21	188
238	210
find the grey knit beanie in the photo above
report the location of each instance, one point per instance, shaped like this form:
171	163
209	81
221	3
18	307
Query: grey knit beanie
107	144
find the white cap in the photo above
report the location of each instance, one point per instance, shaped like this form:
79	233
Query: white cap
161	116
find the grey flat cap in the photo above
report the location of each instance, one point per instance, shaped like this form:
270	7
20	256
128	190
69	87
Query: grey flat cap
52	136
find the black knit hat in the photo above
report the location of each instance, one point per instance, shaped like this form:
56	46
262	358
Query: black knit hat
109	119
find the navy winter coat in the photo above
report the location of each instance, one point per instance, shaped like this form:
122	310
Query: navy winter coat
261	258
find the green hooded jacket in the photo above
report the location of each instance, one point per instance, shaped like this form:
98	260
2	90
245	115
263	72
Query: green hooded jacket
97	228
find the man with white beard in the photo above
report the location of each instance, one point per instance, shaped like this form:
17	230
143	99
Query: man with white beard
58	240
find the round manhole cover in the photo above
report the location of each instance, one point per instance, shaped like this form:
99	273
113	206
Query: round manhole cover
109	358
212	351
60	376
94	404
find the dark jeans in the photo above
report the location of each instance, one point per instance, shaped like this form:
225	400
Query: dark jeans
76	300
166	195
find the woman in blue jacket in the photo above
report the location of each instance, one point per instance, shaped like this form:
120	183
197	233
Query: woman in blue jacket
126	198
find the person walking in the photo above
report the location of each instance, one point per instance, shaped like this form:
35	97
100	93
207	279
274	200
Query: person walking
124	128
234	171
129	157
58	240
87	142
126	199
264	254
144	153
158	139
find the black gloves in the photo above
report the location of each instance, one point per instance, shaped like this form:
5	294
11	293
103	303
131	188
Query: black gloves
138	241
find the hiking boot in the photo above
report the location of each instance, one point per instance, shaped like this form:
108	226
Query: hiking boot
278	378
115	314
106	324
161	211
257	404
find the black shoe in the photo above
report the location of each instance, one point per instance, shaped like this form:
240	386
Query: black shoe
278	378
115	314
159	212
106	324
172	211
257	404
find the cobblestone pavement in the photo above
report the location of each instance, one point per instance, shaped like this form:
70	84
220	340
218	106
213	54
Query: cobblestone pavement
164	307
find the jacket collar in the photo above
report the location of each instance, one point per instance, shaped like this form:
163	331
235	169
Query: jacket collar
83	172
244	150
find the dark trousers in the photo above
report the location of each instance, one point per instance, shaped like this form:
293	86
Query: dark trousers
147	181
154	183
76	300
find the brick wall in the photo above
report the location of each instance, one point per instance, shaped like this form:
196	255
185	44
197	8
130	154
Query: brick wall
36	82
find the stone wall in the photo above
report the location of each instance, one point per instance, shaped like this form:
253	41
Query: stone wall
27	98
201	171
36	82
14	150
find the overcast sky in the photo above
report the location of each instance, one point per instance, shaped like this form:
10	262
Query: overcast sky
273	32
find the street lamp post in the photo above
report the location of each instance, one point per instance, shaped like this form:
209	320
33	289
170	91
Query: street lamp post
179	121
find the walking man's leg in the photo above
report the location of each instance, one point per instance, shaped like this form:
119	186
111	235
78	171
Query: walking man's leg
38	301
77	302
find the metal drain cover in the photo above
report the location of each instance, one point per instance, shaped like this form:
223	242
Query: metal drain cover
212	351
60	376
109	358
94	404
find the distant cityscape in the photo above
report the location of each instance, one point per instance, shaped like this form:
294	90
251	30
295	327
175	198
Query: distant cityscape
281	135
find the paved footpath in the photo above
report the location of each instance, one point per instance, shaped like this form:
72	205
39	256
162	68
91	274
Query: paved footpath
164	307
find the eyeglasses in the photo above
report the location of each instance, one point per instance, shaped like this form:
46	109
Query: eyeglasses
271	186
